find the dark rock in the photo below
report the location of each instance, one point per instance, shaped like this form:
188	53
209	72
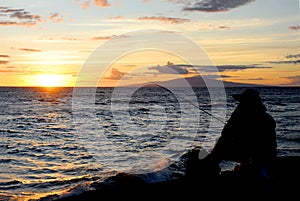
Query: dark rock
199	184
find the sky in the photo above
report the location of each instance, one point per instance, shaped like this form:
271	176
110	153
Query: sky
58	42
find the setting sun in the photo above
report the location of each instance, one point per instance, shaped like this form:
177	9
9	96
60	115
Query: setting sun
50	80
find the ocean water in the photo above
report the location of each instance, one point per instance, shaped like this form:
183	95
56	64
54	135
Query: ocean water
53	140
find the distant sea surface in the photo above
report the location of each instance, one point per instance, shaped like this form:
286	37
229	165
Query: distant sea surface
50	145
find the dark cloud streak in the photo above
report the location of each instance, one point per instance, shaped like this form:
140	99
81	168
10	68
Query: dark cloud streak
3	62
286	62
18	17
212	5
223	27
4	56
29	50
223	68
171	68
259	78
171	20
288	59
14	23
296	28
291	56
103	37
24	15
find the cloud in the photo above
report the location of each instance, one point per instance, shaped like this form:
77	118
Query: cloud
103	37
115	74
116	17
70	38
86	3
228	68
110	37
223	27
296	28
12	70
29	50
172	20
209	27
10	23
286	62
17	71
215	76
291	56
18	17
288	59
4	56
293	80
25	15
101	3
223	68
211	5
6	71
55	17
170	68
258	78
225	76
252	79
3	62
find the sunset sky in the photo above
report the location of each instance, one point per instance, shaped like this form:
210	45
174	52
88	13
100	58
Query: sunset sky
46	43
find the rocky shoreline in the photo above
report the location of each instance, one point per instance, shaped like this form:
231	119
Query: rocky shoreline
227	185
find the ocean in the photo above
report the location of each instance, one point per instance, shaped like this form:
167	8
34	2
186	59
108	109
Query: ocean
57	140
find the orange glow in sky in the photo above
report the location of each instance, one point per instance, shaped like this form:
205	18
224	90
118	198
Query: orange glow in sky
251	41
49	80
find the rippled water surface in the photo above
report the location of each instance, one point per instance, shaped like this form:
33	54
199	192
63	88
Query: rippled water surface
50	143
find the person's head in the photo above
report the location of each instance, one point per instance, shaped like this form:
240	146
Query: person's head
251	99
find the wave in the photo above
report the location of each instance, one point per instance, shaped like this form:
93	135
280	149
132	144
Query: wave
174	171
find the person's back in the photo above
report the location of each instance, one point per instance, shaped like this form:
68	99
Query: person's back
249	137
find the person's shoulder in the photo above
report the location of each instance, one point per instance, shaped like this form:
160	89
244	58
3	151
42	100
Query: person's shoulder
270	119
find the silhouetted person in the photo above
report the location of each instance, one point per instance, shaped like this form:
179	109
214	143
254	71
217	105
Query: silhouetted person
248	138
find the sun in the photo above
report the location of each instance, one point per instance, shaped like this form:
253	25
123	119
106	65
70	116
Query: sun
50	80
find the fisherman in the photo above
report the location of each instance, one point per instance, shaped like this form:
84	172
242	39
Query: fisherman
248	138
